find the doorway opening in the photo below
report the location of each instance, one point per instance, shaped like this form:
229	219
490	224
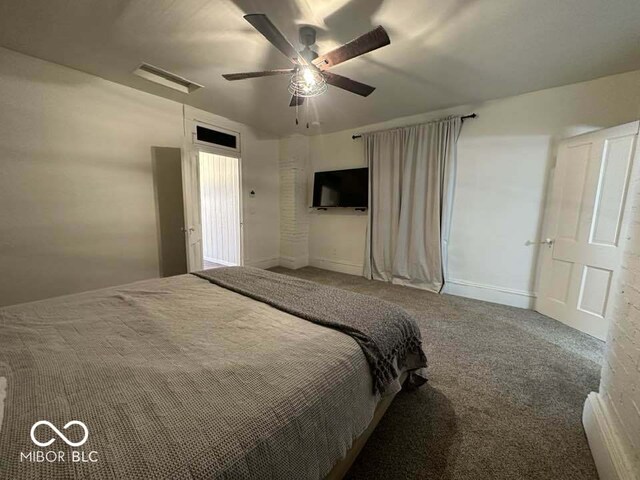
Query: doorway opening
220	209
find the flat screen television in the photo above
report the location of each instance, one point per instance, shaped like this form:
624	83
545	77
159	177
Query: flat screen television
341	188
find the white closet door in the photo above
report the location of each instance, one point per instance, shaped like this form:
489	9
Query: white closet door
587	203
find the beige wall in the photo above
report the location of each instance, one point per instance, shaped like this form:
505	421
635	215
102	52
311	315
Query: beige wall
336	236
77	204
504	160
76	190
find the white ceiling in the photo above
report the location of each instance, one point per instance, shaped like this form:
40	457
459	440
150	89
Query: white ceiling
443	52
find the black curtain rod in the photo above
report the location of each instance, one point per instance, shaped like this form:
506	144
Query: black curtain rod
463	118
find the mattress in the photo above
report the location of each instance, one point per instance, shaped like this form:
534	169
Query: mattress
175	378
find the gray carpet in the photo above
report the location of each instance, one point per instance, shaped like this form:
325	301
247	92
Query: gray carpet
504	399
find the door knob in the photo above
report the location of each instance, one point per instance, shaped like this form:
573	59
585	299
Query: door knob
546	241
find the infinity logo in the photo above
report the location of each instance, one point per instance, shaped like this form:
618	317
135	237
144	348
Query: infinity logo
59	433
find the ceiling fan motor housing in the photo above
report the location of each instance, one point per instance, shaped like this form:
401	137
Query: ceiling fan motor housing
307	35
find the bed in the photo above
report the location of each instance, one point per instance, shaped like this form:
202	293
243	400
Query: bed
182	378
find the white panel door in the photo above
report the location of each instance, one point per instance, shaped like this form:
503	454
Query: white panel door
193	224
583	224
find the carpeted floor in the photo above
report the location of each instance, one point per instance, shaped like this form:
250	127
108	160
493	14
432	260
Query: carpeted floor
505	395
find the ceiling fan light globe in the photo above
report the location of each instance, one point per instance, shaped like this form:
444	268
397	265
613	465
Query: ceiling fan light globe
309	77
307	82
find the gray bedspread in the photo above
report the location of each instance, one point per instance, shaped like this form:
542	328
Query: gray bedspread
387	334
178	378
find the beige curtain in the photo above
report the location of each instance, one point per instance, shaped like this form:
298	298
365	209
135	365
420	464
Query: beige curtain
411	177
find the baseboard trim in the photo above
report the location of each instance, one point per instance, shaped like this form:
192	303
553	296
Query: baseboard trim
606	444
462	288
220	262
490	293
264	263
293	263
341	266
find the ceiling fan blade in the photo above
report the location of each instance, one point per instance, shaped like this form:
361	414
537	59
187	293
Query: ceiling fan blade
296	101
262	23
372	40
348	84
265	73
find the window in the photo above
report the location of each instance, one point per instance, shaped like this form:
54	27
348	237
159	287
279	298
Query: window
217	137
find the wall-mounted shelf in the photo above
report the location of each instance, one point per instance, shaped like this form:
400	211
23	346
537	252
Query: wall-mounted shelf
357	209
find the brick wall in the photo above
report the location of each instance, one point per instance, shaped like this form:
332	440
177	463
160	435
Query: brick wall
294	216
620	382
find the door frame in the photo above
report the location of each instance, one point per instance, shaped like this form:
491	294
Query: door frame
190	167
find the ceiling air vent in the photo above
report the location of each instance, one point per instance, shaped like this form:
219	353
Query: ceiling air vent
168	79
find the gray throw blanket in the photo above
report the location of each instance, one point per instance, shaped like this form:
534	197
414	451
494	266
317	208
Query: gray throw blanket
388	335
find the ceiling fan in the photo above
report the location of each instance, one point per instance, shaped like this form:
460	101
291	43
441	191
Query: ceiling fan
310	73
